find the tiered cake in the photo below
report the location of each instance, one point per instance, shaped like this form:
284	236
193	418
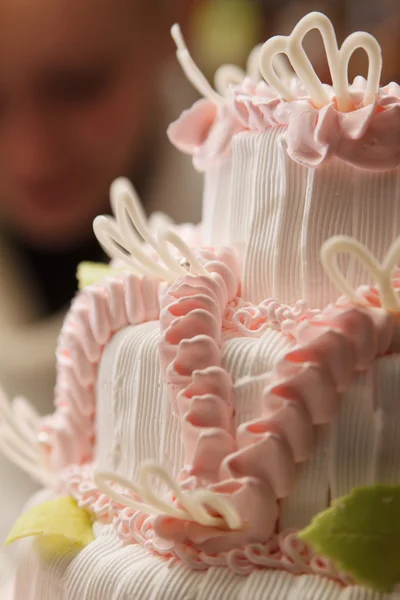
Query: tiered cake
220	386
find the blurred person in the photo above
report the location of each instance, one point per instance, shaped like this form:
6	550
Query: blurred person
80	104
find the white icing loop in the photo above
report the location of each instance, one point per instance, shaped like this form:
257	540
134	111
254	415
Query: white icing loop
19	425
226	76
191	70
382	273
119	238
338	61
194	504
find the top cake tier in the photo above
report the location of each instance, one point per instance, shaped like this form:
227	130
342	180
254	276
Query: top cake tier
290	162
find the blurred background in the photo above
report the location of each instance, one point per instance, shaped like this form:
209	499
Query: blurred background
87	89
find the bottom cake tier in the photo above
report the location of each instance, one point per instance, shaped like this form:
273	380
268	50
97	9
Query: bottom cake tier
109	570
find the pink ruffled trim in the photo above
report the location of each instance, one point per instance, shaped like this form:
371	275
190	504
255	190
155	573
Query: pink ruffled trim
96	314
282	552
367	137
200	389
304	390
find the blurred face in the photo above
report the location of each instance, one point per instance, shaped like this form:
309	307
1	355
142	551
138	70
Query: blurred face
76	83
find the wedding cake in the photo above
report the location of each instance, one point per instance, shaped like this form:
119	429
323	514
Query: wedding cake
226	421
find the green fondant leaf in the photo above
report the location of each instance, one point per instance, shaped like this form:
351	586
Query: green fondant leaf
89	273
60	526
360	534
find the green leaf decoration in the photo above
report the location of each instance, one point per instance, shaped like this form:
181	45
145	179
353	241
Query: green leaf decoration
89	273
360	534
59	525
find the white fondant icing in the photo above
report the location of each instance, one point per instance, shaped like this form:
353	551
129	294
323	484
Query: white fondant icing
277	214
107	569
134	416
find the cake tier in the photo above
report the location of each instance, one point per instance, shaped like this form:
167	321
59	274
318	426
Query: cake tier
108	570
277	214
135	420
360	447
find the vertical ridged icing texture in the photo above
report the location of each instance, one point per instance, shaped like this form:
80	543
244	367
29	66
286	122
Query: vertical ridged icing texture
95	315
107	569
134	418
277	213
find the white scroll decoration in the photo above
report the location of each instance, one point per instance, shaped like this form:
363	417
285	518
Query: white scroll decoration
123	237
338	62
226	75
191	70
193	505
19	439
381	272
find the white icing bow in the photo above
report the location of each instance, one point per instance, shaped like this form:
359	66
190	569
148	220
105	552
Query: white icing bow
193	506
381	272
19	440
338	62
123	237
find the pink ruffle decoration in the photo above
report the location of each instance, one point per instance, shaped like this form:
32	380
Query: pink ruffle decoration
96	314
367	137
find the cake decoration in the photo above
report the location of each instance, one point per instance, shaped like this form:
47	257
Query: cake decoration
19	441
197	505
338	61
90	273
60	527
96	314
381	272
358	122
121	241
360	534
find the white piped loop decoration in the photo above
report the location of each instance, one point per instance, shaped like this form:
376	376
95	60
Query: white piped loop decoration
191	70
381	272
338	61
253	64
228	75
195	504
119	238
19	425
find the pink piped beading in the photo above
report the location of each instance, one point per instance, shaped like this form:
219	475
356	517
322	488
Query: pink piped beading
97	313
249	320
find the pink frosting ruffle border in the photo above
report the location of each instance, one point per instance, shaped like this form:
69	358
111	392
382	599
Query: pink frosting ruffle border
96	314
367	137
